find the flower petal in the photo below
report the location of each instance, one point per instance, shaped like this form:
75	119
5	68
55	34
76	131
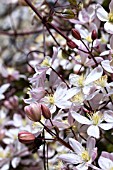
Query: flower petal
93	131
101	13
95	74
70	158
108	26
106	66
77	147
106	126
81	119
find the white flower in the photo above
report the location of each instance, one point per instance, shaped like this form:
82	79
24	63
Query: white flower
94	121
82	156
106	17
59	99
83	82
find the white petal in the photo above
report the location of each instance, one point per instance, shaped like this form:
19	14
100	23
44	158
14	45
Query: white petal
77	147
81	119
4	87
93	131
101	13
105	163
70	158
108	26
106	66
106	126
108	116
63	104
6	166
60	91
95	74
15	162
71	92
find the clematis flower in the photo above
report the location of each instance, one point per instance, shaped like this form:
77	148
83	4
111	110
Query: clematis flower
94	121
81	156
106	17
58	99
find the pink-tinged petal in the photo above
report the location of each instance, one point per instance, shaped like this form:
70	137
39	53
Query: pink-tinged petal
111	6
70	158
111	42
106	66
81	119
93	131
95	74
94	154
108	26
106	126
77	147
105	163
101	13
108	116
90	144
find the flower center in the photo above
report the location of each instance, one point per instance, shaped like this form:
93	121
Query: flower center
85	156
88	38
2	155
110	16
102	81
81	80
96	118
77	98
111	168
51	99
45	62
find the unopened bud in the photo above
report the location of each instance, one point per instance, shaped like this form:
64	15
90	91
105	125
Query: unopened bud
71	44
26	137
45	111
76	34
94	35
33	112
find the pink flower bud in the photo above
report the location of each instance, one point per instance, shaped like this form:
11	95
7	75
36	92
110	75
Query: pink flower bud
26	137
45	111
71	44
33	112
76	34
94	35
14	101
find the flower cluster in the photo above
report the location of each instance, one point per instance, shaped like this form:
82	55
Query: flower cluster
57	108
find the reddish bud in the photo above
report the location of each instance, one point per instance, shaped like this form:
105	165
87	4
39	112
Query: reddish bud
26	137
45	111
94	35
71	44
76	34
33	111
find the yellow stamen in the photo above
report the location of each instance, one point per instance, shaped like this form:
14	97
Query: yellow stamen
110	16
85	156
